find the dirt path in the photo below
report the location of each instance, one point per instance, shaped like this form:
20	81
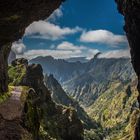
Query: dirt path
12	108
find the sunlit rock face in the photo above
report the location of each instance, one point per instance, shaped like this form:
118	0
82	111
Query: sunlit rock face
131	11
15	16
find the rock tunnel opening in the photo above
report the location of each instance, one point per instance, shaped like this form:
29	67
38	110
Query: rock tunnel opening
129	9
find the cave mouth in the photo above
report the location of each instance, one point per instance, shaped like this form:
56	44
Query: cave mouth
116	83
16	34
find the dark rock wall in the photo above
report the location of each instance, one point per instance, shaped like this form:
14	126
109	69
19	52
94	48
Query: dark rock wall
131	11
15	16
4	53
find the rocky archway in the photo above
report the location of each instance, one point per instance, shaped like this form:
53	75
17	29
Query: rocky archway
15	16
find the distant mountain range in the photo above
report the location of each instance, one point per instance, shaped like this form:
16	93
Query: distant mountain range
86	81
105	88
76	59
60	68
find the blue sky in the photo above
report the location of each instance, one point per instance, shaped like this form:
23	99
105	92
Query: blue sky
77	28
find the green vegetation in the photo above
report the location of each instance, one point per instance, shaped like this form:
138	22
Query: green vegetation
23	96
16	74
6	95
114	110
93	134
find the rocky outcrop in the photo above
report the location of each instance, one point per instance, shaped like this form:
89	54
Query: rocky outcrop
20	61
61	97
41	116
15	16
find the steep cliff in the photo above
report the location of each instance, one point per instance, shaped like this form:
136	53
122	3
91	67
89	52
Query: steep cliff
41	116
15	16
61	97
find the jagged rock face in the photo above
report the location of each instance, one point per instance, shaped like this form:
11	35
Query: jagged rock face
15	16
34	76
131	11
61	97
40	111
19	62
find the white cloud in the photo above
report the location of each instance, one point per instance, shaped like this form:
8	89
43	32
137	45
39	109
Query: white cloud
47	30
69	46
63	50
56	14
116	54
18	47
102	36
66	50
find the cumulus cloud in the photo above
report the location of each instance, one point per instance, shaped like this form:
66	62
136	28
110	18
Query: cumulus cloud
102	36
18	47
63	50
47	30
66	50
116	54
69	46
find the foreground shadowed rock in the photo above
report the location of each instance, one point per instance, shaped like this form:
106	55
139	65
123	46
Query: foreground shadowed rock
11	116
15	16
131	11
41	116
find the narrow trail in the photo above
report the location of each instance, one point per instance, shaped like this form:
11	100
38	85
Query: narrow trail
12	108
